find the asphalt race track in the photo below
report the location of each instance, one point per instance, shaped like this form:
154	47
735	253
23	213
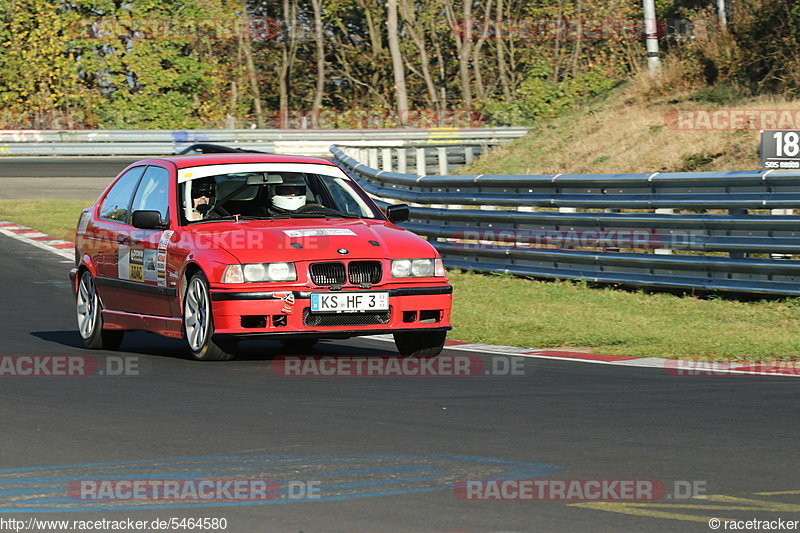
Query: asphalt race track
375	454
64	166
59	177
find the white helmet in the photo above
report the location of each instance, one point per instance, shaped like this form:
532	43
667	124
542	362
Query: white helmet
289	197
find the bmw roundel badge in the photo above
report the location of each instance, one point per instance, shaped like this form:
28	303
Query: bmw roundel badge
343	251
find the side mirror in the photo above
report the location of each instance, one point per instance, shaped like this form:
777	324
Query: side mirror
147	220
398	213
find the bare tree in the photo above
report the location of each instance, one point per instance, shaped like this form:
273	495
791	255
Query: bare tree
476	52
409	15
316	6
463	38
502	67
246	47
288	55
398	68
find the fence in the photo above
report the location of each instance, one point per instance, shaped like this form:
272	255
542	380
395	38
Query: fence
294	141
721	231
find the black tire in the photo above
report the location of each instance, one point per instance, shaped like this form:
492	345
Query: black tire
420	343
198	324
90	317
297	345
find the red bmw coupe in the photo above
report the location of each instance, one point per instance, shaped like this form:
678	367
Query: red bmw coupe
217	248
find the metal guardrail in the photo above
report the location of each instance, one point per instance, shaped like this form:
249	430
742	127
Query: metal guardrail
162	142
422	158
719	231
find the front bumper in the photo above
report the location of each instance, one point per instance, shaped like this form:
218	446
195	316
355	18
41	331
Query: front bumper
287	313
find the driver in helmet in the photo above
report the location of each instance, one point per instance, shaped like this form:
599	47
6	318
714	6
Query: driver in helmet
288	198
203	192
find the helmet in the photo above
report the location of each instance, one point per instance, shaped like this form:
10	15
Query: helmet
289	197
203	187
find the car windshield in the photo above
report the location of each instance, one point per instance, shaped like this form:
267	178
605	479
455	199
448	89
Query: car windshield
267	194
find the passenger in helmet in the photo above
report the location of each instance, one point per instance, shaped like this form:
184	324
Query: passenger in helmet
288	197
203	193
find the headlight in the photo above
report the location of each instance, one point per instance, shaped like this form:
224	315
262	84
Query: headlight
401	268
257	272
417	268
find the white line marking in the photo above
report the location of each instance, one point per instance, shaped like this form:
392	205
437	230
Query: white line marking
67	254
641	362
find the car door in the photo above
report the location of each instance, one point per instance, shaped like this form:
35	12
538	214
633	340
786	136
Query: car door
145	251
111	230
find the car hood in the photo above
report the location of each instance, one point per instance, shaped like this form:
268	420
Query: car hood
261	241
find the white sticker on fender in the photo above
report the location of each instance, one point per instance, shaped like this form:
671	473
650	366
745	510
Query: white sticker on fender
149	265
161	258
319	232
165	238
123	263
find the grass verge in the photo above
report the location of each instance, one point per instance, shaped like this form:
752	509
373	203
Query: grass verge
57	218
547	314
498	309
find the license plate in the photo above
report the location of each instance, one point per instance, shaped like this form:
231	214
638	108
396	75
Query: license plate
349	302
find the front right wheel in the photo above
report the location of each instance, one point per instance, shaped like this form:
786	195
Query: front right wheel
199	324
420	343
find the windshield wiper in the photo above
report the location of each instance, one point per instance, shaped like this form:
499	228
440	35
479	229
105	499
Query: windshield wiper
231	217
323	215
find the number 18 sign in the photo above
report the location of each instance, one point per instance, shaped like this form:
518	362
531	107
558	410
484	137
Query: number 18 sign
780	149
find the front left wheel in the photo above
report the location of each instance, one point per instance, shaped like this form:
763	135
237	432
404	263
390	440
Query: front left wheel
199	324
90	317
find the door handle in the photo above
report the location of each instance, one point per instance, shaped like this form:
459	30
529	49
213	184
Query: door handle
122	239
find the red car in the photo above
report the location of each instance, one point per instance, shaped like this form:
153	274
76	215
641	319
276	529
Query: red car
217	248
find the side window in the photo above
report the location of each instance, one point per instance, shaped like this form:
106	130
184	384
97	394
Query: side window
153	192
115	205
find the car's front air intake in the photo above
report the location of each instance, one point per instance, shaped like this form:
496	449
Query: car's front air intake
365	272
328	273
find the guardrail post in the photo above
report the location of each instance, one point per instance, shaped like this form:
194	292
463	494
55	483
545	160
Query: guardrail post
737	212
441	152
422	164
402	154
373	158
664	211
469	154
386	157
779	212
